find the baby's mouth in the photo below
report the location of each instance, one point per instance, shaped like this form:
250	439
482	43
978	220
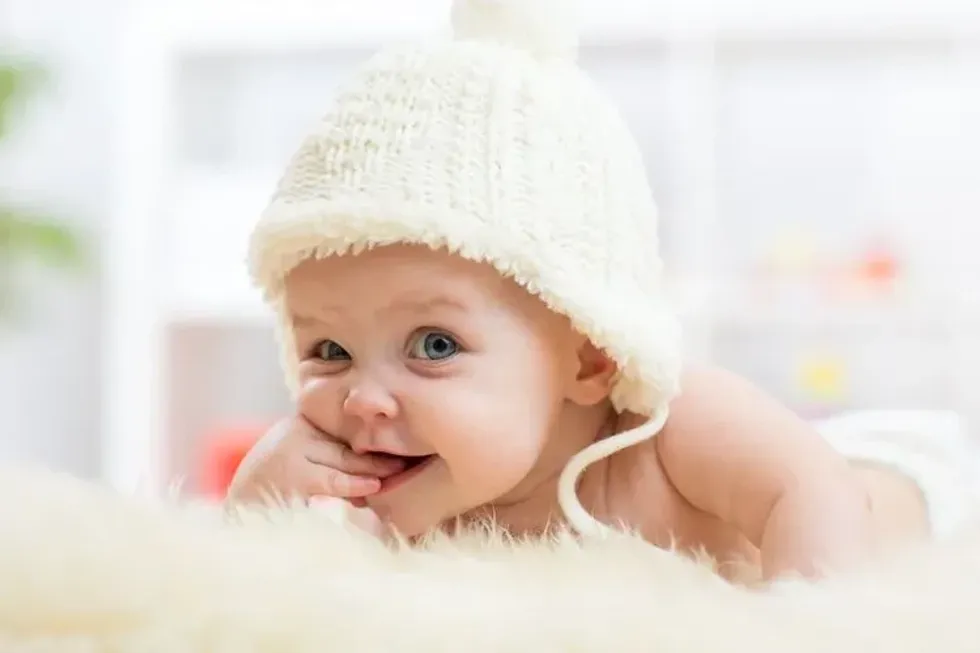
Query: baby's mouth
414	461
387	480
408	462
414	466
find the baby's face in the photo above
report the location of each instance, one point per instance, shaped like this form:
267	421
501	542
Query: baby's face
421	354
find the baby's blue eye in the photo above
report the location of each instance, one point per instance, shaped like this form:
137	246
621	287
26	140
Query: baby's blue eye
329	350
434	345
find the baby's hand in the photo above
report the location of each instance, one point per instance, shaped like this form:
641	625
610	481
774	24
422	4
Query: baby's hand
295	459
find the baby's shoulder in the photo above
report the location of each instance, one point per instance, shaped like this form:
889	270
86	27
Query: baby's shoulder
643	495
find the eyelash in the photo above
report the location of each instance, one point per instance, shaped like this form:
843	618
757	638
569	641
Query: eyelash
418	338
317	351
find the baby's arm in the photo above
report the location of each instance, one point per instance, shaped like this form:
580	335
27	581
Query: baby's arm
736	453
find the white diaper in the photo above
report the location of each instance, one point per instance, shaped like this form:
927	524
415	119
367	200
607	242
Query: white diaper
933	448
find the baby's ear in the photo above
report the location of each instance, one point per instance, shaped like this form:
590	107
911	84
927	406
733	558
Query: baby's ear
594	378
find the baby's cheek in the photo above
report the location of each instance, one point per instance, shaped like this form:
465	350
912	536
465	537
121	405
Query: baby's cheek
307	379
319	399
499	437
489	426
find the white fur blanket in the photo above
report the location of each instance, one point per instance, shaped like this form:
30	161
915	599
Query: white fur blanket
82	569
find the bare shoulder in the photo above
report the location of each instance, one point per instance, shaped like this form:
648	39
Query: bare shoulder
719	411
708	396
705	403
726	447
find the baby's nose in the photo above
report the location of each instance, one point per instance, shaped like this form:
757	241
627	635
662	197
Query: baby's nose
370	403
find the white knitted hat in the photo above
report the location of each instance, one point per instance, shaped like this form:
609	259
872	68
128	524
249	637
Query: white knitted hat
494	144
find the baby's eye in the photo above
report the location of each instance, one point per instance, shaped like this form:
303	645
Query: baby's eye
434	345
329	350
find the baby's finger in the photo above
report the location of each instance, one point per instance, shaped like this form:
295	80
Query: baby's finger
335	483
370	464
336	455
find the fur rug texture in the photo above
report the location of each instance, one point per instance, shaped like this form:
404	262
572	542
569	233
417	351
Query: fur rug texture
84	569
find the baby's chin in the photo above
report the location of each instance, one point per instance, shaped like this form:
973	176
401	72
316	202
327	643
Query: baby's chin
431	502
414	510
410	523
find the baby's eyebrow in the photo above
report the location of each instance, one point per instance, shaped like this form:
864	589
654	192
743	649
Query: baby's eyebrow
426	304
303	321
316	318
411	305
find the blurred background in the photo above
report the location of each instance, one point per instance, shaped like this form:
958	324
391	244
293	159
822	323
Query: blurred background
816	164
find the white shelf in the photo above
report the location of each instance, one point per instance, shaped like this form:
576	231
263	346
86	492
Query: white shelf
892	19
202	311
210	26
859	318
297	25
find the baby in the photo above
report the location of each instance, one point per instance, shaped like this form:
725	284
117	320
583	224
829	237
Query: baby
463	260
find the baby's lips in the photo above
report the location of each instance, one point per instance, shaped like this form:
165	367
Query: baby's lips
386	471
389	464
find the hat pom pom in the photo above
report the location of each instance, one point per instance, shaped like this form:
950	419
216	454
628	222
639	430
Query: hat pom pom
546	29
